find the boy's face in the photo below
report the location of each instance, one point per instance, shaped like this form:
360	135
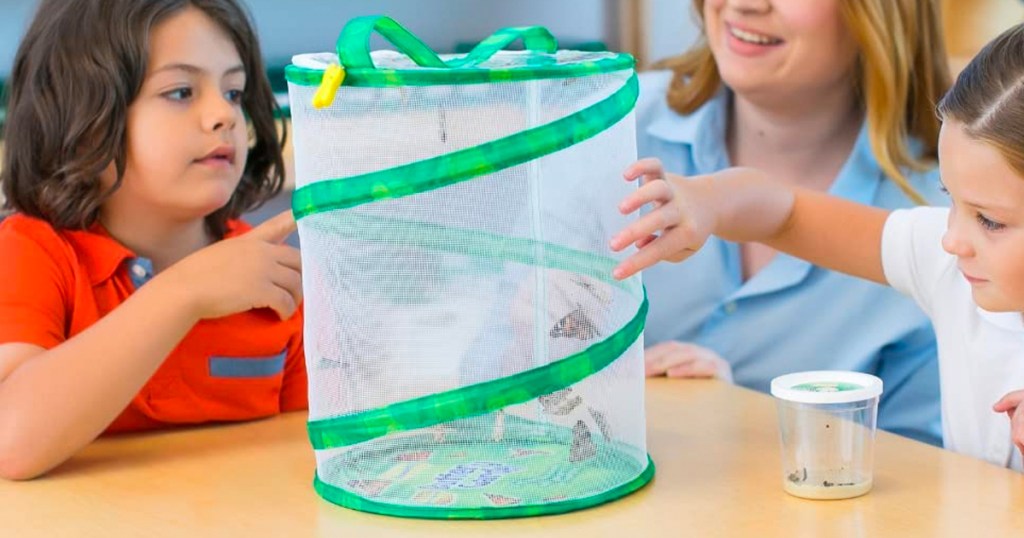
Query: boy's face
186	134
986	221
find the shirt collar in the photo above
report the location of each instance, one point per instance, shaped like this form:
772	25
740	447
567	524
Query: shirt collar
675	127
704	131
102	255
1010	321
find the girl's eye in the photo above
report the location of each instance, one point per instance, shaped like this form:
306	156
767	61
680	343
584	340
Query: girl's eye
989	224
944	190
179	94
235	96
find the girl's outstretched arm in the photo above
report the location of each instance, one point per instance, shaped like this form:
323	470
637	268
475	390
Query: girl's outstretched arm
742	205
54	402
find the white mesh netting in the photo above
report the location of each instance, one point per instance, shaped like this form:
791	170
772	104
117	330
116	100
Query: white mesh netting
473	282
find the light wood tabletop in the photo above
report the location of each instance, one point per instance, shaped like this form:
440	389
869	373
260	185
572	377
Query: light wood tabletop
715	447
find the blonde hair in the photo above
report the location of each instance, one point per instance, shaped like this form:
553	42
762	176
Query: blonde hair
988	97
902	72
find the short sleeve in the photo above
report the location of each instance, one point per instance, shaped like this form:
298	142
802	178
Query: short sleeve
33	294
912	256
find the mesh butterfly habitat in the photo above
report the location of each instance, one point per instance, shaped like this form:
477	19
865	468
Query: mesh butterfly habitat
469	354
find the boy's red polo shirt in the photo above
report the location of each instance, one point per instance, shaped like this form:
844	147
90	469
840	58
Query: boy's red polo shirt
53	285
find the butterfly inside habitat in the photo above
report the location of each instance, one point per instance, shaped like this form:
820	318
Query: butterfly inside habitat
575	324
560	402
583	447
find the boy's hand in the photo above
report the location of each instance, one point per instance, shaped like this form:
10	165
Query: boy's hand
680	222
1011	405
685	360
243	273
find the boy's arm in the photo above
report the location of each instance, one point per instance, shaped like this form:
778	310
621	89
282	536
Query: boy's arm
743	205
53	402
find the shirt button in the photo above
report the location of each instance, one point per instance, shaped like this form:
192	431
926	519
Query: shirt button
730	307
139	271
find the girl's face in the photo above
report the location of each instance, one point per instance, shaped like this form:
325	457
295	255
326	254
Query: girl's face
780	47
986	221
187	138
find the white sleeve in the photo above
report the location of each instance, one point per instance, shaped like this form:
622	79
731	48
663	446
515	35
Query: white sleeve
913	260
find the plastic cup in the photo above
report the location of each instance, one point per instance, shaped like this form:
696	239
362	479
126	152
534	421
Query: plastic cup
827	422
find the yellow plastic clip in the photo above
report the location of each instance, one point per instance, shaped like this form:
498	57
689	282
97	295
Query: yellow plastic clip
334	75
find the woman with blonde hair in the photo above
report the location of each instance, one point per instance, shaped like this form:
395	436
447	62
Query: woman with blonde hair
836	96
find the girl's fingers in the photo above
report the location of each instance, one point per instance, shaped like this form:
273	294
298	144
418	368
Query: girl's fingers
663	218
659	249
646	241
648	168
1009	401
657	192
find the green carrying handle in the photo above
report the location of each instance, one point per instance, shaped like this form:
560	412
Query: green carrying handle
354	43
535	38
354	50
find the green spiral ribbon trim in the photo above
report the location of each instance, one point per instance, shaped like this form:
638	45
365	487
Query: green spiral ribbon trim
478	399
465	164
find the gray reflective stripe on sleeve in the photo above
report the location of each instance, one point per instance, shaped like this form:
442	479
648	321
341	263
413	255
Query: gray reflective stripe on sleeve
247	366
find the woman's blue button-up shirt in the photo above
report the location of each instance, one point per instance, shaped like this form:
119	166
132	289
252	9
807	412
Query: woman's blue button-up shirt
791	315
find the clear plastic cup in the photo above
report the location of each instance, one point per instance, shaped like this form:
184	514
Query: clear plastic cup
827	427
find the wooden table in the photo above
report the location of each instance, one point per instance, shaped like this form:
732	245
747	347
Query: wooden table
715	447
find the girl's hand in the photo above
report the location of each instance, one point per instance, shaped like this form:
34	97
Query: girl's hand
1010	404
680	222
242	273
685	360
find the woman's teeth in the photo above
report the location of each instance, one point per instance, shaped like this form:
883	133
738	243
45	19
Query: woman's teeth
750	37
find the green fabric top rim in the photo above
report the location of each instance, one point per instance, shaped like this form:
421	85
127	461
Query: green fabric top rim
304	76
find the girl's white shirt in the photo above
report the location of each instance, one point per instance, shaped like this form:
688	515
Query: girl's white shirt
981	353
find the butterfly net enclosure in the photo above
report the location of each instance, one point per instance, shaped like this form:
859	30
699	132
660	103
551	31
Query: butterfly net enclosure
469	353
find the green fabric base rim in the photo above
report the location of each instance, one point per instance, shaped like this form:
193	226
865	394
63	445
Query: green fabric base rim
477	399
346	499
383	78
